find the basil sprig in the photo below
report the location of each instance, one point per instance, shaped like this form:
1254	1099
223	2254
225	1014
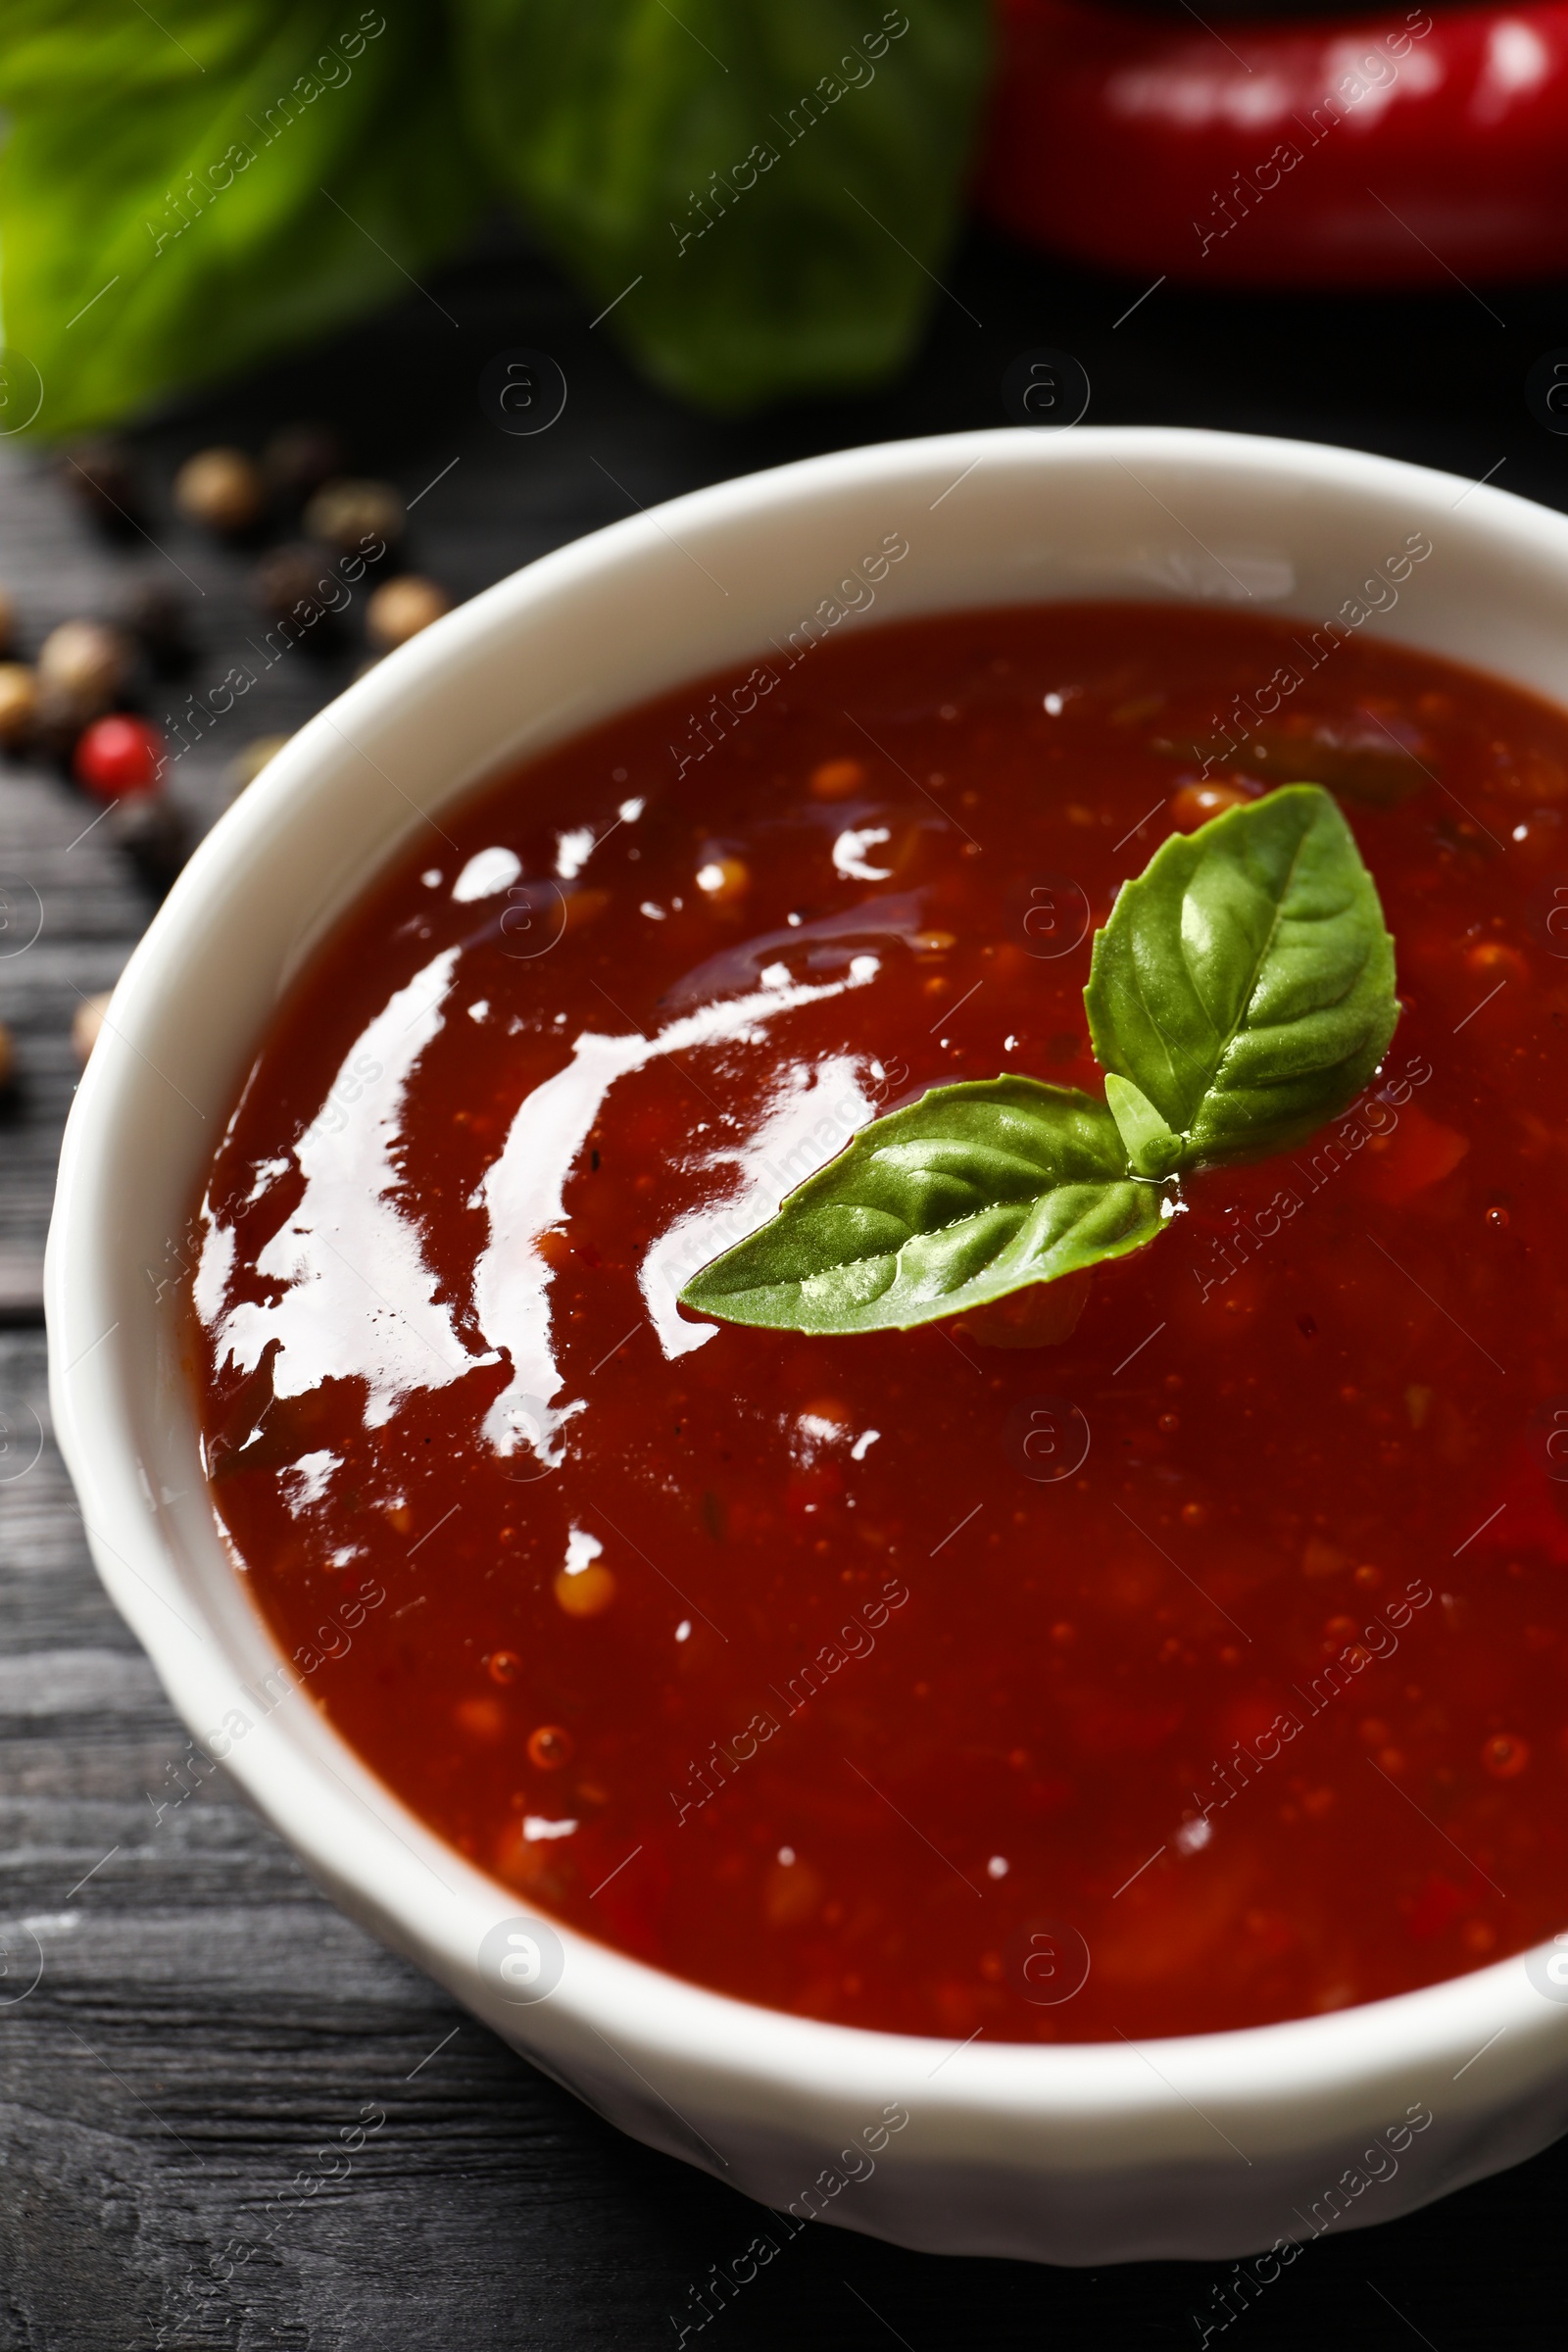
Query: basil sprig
1241	995
190	187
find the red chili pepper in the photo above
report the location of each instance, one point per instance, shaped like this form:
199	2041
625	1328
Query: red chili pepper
1389	150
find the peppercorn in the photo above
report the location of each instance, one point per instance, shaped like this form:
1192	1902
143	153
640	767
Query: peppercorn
297	460
18	702
86	656
292	585
82	667
153	612
154	835
345	514
400	609
246	764
287	577
121	756
221	489
101	475
88	1021
59	716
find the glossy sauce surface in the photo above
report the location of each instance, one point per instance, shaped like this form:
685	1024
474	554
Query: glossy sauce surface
1218	1649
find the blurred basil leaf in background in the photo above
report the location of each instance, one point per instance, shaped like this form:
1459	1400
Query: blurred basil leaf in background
180	198
170	175
780	174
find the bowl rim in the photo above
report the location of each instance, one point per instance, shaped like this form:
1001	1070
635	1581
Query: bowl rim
771	2059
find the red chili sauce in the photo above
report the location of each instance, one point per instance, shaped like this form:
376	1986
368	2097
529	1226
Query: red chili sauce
1220	1646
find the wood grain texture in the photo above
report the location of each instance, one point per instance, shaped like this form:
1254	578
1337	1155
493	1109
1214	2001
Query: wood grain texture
202	2021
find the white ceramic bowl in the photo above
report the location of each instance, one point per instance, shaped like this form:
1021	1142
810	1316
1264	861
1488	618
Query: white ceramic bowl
1209	2146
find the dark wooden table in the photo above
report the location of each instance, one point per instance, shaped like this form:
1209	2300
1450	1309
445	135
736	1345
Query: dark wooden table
203	2018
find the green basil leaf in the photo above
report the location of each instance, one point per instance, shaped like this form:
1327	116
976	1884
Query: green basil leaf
760	190
767	189
1153	1150
1245	981
965	1195
161	214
